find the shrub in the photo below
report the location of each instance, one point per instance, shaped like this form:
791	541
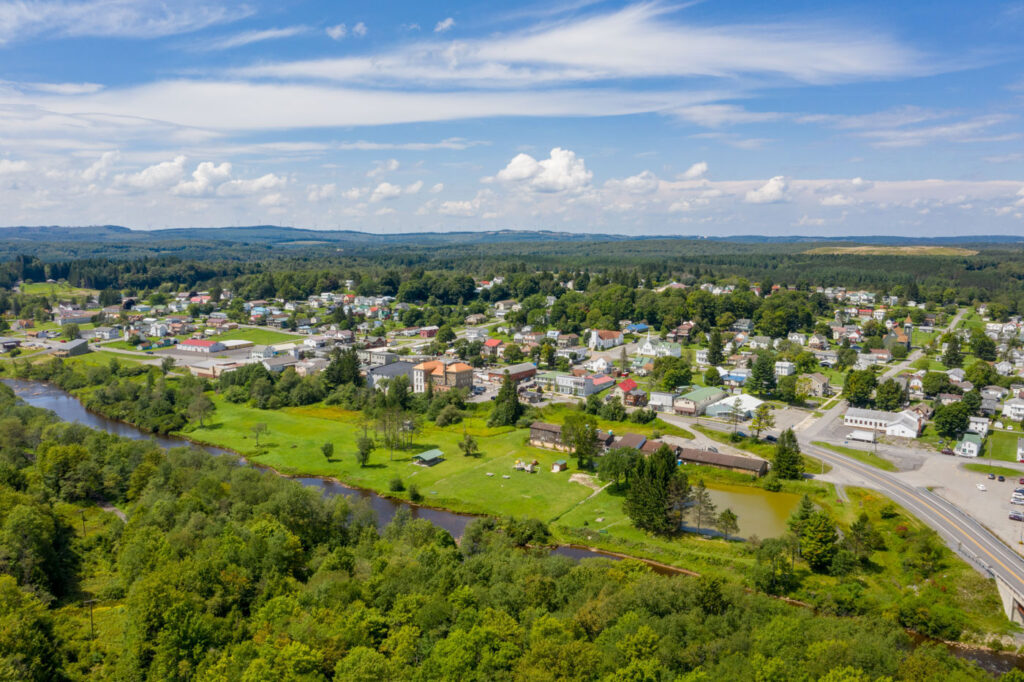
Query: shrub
448	415
396	485
414	493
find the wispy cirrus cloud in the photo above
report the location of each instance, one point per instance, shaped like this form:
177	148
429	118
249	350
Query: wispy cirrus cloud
27	19
250	37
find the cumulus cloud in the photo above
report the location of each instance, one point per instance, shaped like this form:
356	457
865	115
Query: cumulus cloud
317	193
205	178
770	192
414	188
264	183
100	166
384	211
354	193
439	187
337	32
642	183
162	174
444	25
382	167
696	171
275	199
7	166
385	191
562	171
359	29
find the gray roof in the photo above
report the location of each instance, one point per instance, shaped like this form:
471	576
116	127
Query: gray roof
394	369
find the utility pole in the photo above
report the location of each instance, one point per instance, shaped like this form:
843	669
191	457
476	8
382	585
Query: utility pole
92	625
82	512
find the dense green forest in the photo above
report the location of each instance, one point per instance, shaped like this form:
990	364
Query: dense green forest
221	572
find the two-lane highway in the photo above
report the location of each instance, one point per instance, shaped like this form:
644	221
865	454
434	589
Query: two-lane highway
956	527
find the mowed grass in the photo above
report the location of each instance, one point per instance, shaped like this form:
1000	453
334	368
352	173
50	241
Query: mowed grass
557	413
295	435
994	470
57	288
1001	445
262	337
859	455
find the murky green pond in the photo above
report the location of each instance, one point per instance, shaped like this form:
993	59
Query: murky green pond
760	512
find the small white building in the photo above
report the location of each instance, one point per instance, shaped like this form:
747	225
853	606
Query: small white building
978	425
969	446
1014	409
784	368
702	357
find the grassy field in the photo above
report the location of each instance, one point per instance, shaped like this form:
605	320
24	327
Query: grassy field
558	412
55	288
292	446
263	337
860	456
891	251
1001	445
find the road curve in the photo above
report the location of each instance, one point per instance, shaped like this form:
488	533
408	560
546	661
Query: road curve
983	550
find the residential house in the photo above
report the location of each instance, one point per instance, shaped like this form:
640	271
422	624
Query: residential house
702	357
818	342
969	445
760	343
978	425
279	363
681	334
306	368
1004	368
656	348
105	333
816	385
549	436
491	347
567	340
742	325
1014	409
784	368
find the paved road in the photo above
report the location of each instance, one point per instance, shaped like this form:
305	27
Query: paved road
960	531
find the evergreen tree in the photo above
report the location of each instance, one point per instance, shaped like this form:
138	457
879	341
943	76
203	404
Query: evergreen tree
762	374
818	541
727	523
953	357
798	519
703	508
507	408
715	356
656	487
787	462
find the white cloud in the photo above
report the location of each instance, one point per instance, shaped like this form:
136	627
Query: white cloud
838	200
354	193
719	115
642	183
317	193
562	171
275	199
26	19
359	29
250	37
770	192
439	187
205	179
696	171
337	32
384	211
385	191
414	188
8	167
382	167
162	174
444	25
263	183
807	221
971	130
99	168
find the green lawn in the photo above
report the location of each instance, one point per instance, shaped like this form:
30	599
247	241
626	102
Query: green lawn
860	455
1001	445
262	337
56	288
557	413
292	445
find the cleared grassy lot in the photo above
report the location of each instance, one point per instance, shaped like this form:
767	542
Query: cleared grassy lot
261	337
860	455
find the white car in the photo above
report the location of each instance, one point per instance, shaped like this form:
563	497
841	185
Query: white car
981	487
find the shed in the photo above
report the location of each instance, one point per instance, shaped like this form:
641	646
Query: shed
429	458
559	465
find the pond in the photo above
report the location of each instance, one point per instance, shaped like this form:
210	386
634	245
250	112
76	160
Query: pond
759	512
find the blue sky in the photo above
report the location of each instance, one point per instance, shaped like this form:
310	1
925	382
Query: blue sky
692	118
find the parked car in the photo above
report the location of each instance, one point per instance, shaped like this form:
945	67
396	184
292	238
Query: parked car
1016	516
1002	478
991	477
947	451
1021	481
1017	500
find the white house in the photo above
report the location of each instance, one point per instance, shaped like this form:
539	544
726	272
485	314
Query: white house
904	424
1014	409
969	445
784	368
978	425
598	365
661	400
1004	368
656	348
702	357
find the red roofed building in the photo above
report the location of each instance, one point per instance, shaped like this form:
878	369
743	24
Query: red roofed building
491	346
